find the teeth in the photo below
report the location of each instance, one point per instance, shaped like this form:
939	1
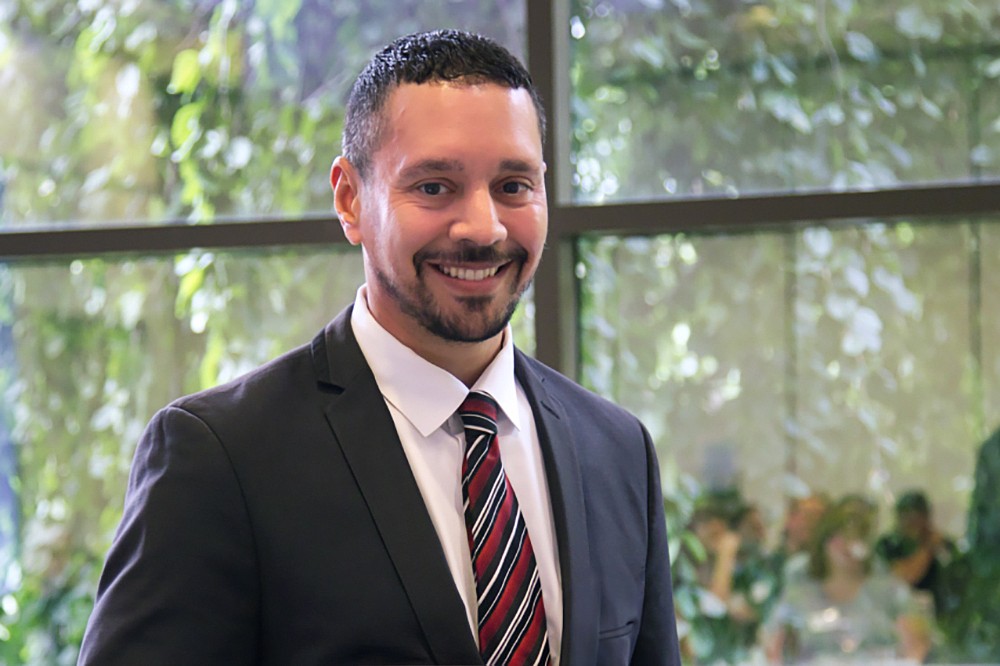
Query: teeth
468	273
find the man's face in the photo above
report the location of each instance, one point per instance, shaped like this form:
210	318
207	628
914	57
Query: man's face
709	531
453	215
801	522
847	548
914	524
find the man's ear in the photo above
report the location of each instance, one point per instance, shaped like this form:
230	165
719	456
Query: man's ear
346	183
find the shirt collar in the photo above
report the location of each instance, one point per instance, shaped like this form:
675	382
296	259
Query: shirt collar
428	396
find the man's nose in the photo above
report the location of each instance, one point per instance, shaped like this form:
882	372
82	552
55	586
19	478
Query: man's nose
479	220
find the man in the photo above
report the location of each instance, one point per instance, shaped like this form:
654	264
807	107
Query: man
804	514
320	510
915	550
726	571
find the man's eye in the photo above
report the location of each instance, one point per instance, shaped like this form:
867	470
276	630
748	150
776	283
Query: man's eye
433	189
514	187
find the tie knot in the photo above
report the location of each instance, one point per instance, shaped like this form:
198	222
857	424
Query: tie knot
479	411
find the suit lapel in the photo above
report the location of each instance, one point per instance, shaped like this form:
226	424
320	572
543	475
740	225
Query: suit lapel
363	428
569	512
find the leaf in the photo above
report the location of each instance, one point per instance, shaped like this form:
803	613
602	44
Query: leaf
857	279
711	605
861	47
892	284
186	73
981	155
649	53
839	306
127	81
914	23
186	127
831	113
844	6
930	108
819	240
864	333
783	72
189	284
788	109
208	370
239	153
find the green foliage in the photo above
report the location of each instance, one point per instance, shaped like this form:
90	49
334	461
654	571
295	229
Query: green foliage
43	620
689	98
971	616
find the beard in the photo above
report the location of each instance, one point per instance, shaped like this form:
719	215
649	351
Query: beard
479	317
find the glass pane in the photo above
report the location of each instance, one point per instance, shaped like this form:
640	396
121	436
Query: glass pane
156	110
774	366
719	98
88	352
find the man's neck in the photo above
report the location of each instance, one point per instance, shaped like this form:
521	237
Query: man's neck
464	360
842	586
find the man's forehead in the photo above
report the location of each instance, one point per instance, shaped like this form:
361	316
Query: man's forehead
437	128
454	95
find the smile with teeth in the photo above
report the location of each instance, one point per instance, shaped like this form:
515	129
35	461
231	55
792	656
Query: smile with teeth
471	274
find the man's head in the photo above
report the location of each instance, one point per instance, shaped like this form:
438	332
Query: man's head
442	56
842	538
442	184
710	523
913	514
803	515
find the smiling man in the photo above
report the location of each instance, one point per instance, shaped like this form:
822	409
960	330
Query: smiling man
409	488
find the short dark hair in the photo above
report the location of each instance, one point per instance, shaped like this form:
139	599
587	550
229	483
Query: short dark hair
913	500
428	57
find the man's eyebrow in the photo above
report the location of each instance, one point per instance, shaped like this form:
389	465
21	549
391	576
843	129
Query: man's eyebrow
430	166
519	166
437	166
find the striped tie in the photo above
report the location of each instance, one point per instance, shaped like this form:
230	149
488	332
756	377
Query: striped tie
512	626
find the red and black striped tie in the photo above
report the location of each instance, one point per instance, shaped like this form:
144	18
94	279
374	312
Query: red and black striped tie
512	627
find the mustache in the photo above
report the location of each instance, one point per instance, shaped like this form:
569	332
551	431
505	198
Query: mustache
471	254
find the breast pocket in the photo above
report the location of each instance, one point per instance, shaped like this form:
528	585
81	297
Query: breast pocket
614	646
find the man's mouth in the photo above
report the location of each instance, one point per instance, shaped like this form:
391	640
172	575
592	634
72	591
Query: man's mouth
470	274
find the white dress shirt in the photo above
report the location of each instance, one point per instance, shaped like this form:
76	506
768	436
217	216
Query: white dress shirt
423	400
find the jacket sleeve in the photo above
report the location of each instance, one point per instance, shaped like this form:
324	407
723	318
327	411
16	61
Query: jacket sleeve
657	642
179	585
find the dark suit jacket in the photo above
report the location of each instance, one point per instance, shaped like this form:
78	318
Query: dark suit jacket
275	520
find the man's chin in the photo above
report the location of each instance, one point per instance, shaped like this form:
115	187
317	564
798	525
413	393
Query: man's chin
463	333
476	322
